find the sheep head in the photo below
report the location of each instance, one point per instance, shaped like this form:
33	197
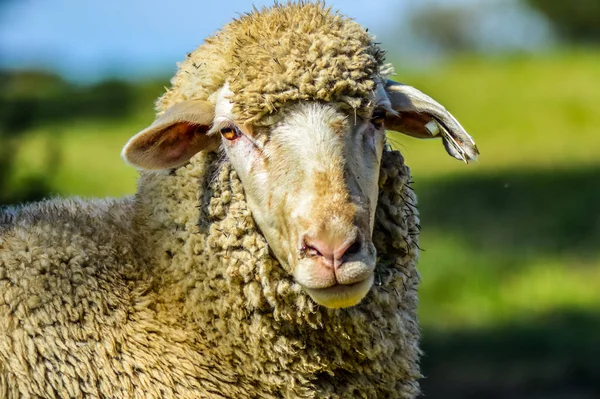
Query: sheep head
308	158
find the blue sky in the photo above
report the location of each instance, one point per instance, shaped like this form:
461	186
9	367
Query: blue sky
89	39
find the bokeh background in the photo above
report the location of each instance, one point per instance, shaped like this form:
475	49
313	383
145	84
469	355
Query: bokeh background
510	294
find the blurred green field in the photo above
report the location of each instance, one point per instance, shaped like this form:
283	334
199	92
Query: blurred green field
510	270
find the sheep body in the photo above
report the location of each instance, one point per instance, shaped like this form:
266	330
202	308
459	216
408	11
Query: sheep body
154	296
173	293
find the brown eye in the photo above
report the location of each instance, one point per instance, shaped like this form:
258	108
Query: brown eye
230	133
378	118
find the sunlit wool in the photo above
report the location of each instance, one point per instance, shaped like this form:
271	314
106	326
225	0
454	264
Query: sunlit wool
282	54
173	293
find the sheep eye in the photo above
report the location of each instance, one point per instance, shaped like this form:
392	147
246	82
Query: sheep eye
230	133
378	118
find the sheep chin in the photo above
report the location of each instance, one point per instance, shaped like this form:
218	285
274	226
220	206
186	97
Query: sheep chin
341	295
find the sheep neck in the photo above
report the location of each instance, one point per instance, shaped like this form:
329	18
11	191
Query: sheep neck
213	269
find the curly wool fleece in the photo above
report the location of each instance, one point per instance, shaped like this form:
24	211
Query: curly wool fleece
278	55
173	294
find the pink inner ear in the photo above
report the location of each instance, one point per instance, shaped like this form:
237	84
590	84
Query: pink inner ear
167	147
174	151
179	142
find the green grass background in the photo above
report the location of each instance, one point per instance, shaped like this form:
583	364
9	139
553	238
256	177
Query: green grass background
510	293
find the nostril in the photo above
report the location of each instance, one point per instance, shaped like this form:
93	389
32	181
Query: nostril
331	250
354	248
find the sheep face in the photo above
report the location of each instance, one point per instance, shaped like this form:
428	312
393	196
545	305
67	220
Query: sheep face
310	178
311	184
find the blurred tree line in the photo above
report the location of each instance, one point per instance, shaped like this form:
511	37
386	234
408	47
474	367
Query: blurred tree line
485	26
34	99
576	21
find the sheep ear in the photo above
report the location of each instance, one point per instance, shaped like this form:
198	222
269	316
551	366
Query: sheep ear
173	138
420	116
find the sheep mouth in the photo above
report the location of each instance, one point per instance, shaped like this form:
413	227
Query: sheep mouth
341	295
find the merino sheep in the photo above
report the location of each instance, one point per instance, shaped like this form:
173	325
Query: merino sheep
270	249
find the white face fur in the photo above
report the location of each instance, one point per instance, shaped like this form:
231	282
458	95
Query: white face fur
311	185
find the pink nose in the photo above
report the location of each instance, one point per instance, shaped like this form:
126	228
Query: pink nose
332	251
